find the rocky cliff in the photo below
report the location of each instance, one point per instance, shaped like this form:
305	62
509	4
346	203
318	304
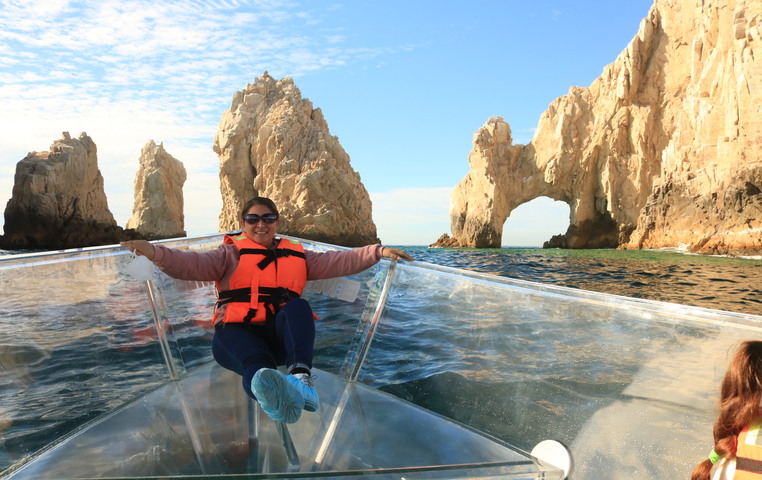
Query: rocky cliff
664	149
158	209
58	200
273	143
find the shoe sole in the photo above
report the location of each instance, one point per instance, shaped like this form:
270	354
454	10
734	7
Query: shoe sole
280	400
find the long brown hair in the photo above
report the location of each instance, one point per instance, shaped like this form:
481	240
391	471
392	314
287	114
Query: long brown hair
740	396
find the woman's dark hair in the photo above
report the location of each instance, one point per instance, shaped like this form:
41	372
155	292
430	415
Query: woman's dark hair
739	403
260	201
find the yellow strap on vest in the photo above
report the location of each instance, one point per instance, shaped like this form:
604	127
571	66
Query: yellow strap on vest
753	433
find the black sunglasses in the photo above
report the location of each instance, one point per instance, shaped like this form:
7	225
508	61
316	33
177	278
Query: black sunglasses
253	218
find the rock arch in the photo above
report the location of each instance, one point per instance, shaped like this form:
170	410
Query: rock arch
504	176
661	150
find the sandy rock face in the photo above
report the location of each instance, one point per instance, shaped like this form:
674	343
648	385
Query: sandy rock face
664	149
273	143
58	200
158	209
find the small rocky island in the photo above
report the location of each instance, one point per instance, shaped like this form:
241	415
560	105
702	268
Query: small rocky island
59	202
158	209
274	143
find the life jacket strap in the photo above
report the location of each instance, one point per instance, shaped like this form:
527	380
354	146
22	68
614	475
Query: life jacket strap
749	465
235	295
272	297
270	255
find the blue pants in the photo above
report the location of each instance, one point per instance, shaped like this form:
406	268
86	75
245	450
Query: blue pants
245	348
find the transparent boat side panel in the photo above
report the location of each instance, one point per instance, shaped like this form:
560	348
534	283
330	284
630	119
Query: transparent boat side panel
76	342
630	386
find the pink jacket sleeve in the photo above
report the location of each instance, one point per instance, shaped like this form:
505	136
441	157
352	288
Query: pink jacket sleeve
219	264
202	266
339	263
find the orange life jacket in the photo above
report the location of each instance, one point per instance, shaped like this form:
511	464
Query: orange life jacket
749	453
275	275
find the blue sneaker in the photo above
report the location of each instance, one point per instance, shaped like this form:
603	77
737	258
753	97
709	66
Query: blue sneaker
279	399
303	382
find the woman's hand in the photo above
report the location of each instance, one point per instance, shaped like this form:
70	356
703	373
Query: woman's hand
140	247
395	254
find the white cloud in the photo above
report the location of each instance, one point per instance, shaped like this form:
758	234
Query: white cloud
126	72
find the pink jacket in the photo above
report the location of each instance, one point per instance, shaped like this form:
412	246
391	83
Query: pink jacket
219	264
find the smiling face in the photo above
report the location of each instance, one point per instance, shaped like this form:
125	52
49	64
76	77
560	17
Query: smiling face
261	232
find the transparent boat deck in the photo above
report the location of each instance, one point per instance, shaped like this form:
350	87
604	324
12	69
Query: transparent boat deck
203	426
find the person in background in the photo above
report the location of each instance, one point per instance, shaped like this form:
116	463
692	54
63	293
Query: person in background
260	320
737	452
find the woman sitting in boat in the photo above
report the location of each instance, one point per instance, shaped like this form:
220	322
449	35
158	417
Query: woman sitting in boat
737	450
260	320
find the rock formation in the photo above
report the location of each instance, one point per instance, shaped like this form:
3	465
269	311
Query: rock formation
273	143
58	200
664	149
445	241
158	209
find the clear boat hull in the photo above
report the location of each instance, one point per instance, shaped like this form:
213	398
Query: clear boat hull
445	374
202	425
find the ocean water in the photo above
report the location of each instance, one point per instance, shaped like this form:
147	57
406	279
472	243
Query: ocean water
722	283
47	387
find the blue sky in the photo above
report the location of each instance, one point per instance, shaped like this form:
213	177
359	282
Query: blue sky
403	85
